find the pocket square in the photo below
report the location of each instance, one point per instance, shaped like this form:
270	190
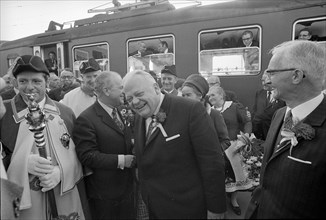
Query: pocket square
172	137
299	160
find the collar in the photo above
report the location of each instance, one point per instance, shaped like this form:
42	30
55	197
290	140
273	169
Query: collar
108	109
16	90
20	109
148	120
225	106
168	91
303	110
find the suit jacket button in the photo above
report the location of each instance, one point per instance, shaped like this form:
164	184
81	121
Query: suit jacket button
256	202
16	204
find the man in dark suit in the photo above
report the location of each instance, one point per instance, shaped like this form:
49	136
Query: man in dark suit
293	175
247	40
180	163
142	51
52	63
264	108
103	145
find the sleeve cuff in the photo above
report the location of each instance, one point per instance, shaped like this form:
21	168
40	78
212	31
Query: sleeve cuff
121	161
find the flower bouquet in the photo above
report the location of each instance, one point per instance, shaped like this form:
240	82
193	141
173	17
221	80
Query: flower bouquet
252	154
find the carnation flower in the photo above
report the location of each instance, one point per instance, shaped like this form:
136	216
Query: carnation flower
299	131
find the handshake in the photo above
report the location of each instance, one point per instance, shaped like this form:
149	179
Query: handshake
130	161
48	174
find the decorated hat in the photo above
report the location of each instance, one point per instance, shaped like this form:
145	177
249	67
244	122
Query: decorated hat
29	63
169	70
198	82
89	66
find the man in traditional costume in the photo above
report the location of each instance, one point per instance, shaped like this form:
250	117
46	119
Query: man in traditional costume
60	171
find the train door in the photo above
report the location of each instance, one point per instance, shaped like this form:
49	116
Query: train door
55	62
60	56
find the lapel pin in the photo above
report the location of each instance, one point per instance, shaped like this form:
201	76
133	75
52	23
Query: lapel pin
65	139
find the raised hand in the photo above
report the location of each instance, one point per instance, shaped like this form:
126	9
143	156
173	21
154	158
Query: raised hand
130	161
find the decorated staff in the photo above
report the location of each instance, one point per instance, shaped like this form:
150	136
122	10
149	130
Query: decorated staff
34	129
36	120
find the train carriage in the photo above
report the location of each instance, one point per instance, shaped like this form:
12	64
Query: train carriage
200	39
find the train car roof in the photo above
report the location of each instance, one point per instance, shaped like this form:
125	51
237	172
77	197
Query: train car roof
157	16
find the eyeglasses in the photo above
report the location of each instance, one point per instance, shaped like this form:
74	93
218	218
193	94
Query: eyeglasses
67	77
249	38
273	72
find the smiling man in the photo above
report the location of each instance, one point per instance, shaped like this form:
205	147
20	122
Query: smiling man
293	175
169	79
82	97
179	158
61	171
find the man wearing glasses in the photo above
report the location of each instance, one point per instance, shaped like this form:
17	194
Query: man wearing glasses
293	175
67	84
247	40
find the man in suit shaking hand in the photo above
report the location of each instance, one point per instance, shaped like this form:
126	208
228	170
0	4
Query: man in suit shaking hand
103	145
293	175
180	163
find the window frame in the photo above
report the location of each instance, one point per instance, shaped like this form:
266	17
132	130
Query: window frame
76	47
236	28
305	20
152	37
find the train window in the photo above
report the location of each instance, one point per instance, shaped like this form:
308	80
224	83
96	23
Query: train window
99	51
230	51
151	53
313	29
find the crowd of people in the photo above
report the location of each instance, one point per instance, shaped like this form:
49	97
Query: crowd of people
138	147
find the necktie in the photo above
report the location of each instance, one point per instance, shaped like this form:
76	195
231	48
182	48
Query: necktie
151	127
116	119
288	122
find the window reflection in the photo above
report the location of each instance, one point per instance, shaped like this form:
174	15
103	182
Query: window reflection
151	53
233	51
232	61
100	52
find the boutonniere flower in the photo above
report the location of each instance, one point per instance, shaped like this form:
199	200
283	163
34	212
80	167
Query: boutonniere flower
128	116
158	119
298	131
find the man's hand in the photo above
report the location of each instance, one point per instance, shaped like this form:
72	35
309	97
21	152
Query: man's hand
50	180
38	166
211	215
130	161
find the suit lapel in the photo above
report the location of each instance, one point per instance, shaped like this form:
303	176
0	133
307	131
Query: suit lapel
273	133
316	118
140	132
105	117
165	106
